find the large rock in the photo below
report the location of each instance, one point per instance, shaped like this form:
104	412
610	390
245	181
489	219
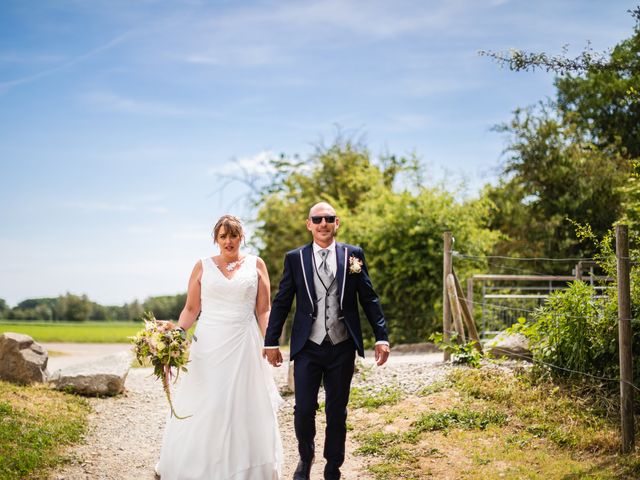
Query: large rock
21	359
514	345
101	377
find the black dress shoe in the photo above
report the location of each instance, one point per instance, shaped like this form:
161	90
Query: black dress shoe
303	470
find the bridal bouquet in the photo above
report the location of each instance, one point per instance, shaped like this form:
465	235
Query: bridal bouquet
165	348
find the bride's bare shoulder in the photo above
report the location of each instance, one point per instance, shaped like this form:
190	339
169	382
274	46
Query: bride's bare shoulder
197	268
261	266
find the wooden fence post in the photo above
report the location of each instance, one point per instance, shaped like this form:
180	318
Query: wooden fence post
456	309
447	268
624	337
470	293
579	270
467	316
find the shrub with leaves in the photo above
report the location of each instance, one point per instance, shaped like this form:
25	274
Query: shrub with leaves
462	353
575	334
571	330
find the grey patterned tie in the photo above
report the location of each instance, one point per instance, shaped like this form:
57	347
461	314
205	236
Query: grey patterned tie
324	272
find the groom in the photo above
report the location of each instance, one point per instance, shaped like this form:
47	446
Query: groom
327	279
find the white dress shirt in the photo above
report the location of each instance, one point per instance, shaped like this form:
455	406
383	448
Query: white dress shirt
331	260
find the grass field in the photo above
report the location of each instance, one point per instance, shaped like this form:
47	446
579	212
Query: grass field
82	332
36	424
485	424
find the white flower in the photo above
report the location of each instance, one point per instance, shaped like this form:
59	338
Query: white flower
355	264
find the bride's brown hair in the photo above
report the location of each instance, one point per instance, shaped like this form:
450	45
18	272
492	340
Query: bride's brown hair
231	225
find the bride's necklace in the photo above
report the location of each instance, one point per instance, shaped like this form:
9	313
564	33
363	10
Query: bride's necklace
230	267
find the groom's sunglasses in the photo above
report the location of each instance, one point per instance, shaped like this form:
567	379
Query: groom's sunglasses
317	219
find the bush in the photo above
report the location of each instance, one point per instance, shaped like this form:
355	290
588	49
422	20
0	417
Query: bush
574	335
571	330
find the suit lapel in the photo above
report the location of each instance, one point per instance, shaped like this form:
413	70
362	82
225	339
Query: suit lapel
306	258
341	260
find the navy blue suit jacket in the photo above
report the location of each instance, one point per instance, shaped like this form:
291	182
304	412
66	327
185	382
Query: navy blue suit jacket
297	281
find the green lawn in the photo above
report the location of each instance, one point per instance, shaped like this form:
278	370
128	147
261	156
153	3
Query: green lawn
36	424
82	332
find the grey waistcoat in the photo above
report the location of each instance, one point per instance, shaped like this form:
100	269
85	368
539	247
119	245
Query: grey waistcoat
328	319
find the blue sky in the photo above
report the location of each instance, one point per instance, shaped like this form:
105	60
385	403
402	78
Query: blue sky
118	117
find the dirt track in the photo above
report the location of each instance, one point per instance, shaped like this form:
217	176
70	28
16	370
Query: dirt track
124	435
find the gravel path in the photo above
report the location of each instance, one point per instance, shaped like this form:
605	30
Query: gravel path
123	441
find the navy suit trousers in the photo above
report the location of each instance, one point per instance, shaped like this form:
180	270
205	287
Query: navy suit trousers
331	365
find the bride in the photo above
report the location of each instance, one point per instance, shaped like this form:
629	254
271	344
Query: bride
232	433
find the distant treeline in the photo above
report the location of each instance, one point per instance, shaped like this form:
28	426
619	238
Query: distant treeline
77	308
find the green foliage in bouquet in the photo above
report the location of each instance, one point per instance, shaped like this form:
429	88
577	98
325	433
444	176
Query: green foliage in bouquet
165	347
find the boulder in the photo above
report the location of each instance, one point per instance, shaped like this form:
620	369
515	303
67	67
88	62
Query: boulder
514	345
101	377
21	359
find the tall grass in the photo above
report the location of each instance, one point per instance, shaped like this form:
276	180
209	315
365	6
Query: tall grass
81	332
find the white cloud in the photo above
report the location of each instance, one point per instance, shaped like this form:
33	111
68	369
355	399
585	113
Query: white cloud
238	56
410	121
189	235
97	206
284	32
375	18
111	102
139	230
21	58
256	164
5	86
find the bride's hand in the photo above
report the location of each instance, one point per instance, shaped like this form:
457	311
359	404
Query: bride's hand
273	356
167	325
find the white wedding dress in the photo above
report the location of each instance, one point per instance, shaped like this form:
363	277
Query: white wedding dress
229	390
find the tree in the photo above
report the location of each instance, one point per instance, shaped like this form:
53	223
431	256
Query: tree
599	102
70	307
34	309
400	228
166	307
592	133
133	310
554	177
586	61
401	233
342	174
73	308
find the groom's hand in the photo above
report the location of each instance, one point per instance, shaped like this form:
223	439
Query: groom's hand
382	353
273	356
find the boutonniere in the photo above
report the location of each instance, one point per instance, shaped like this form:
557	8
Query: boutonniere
355	264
